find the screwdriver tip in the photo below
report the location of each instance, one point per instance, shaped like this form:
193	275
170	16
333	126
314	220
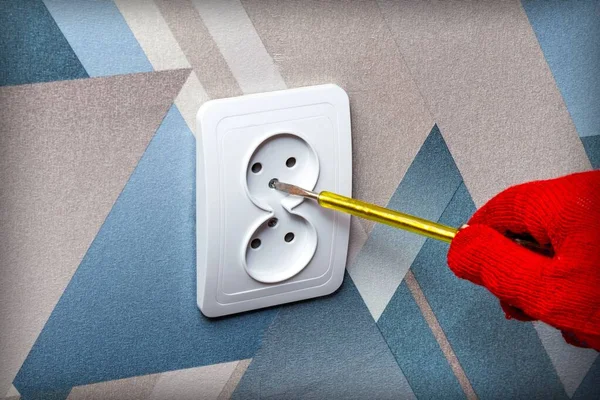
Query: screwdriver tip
292	189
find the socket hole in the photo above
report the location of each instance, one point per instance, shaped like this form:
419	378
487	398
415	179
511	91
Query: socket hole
272	222
289	237
256	167
272	183
290	162
255	243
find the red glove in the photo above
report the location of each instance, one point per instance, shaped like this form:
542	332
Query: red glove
562	290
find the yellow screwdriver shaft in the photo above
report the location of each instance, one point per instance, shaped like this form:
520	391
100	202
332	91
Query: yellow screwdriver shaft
386	216
371	212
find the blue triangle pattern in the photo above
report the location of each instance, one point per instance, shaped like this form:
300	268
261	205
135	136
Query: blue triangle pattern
592	148
326	348
130	308
32	46
499	357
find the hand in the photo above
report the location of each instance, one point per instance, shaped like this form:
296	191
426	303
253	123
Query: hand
562	290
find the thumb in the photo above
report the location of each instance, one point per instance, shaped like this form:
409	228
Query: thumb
512	273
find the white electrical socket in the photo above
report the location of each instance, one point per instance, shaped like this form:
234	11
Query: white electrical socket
258	247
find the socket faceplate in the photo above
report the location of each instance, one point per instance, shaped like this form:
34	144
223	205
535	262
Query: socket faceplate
257	247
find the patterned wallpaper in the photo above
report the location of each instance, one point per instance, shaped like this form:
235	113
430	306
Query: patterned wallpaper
451	102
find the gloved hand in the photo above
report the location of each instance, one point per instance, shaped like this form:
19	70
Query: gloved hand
563	290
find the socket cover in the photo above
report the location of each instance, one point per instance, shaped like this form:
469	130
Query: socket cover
244	259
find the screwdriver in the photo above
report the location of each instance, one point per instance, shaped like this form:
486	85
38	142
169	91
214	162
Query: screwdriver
394	218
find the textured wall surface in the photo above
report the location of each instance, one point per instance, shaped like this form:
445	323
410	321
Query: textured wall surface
451	103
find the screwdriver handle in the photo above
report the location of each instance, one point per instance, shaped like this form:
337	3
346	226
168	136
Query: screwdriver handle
409	222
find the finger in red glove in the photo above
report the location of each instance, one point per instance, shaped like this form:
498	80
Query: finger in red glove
563	291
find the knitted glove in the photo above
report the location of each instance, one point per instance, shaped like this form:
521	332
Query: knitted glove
562	290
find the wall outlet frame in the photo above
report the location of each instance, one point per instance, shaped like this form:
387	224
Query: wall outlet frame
244	258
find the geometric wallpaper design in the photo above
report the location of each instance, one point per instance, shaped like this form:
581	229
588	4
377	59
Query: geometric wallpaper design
451	102
130	307
482	339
